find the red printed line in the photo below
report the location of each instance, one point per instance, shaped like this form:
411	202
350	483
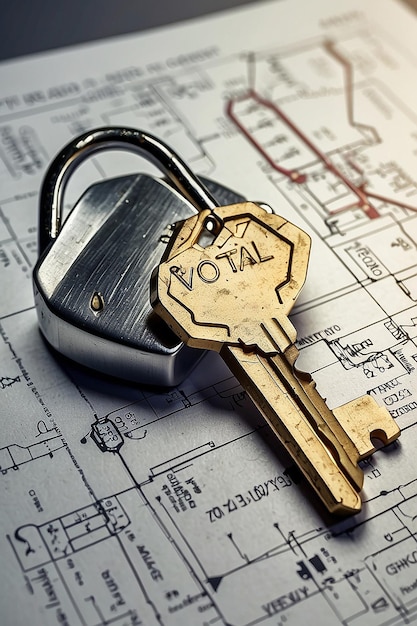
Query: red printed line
363	200
293	175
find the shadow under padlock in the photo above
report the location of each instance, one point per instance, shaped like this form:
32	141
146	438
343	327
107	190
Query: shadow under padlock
91	282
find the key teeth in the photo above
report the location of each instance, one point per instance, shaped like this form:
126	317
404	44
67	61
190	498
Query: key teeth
363	419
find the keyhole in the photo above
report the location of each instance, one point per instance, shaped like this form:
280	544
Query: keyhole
97	302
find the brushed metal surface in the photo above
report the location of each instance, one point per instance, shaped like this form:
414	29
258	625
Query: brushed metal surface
109	244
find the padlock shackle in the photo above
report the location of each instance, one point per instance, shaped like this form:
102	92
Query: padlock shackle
112	138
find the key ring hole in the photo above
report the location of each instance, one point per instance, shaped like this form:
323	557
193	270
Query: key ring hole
213	224
211	228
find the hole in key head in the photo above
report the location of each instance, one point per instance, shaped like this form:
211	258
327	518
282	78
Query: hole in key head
212	226
378	438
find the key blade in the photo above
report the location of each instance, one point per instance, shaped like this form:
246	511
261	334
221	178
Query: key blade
309	451
315	410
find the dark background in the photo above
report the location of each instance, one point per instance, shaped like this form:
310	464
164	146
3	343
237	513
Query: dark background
33	26
28	26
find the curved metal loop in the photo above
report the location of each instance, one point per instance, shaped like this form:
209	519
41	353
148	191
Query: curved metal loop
137	141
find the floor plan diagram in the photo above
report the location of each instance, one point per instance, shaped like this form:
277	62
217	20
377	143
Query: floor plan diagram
129	505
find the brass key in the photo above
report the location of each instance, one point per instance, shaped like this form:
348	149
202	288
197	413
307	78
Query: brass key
234	296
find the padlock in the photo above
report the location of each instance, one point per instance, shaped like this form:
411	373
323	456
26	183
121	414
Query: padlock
91	282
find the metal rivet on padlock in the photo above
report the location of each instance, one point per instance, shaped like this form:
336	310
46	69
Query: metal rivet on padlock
91	282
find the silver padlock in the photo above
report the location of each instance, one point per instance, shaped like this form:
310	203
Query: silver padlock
91	283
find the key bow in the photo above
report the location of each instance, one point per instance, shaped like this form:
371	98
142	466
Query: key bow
254	268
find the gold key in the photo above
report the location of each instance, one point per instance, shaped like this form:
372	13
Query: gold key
234	296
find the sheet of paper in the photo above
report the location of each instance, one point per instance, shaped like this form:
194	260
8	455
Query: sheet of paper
126	505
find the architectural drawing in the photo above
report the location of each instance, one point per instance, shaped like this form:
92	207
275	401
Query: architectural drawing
129	505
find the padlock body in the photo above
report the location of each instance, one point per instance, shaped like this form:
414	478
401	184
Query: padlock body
92	284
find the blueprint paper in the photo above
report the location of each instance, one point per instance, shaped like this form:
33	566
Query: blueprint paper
124	505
